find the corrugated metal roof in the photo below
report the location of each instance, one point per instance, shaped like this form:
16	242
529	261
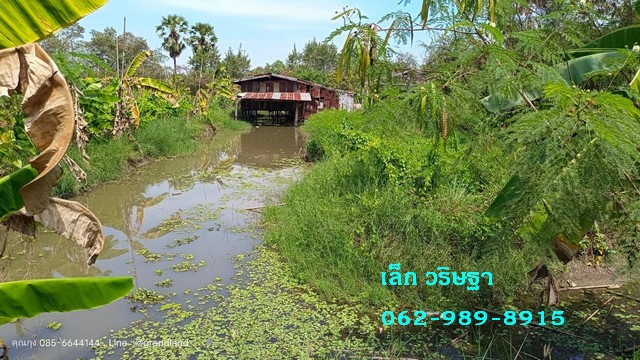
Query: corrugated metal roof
284	77
280	96
263	76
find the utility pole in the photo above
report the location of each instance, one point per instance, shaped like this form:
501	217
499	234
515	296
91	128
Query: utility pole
117	56
124	41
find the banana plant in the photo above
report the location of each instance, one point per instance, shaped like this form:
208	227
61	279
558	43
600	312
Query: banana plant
571	72
626	37
49	123
594	57
221	86
201	102
128	104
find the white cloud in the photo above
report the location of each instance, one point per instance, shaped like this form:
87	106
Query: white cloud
291	10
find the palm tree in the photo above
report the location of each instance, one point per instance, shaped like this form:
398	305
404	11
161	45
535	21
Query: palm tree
202	39
171	30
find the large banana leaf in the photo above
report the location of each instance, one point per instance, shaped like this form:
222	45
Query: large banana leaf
508	198
625	37
499	102
10	186
576	71
573	72
26	21
593	57
137	61
26	299
153	84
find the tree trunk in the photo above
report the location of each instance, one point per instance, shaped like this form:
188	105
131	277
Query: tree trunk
175	67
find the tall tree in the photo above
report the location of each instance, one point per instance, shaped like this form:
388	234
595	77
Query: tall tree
202	40
294	59
320	56
237	64
172	30
65	41
103	45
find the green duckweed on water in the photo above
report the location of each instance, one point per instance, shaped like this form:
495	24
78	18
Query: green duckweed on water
266	315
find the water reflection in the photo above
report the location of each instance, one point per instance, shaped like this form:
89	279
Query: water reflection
168	213
263	146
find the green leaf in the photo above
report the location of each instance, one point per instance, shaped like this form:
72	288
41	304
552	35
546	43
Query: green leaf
10	186
26	21
573	72
635	83
477	10
622	38
424	12
345	58
101	98
507	198
576	71
494	32
26	299
154	84
500	102
492	10
136	62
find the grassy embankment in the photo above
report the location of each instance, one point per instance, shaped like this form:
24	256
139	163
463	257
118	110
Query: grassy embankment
165	137
381	195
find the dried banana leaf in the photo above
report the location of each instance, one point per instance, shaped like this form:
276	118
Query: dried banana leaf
49	118
75	222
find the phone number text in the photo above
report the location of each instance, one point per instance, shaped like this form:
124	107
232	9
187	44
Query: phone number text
469	318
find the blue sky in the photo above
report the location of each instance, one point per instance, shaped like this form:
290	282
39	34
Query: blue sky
267	29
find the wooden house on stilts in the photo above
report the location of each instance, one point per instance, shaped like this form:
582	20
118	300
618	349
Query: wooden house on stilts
279	99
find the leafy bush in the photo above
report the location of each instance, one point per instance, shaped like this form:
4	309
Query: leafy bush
383	195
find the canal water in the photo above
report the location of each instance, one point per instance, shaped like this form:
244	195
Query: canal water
175	225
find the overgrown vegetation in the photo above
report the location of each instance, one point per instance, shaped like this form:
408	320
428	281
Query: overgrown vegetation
123	119
514	145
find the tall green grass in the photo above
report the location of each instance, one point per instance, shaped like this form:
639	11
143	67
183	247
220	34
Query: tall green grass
221	118
169	137
383	194
108	160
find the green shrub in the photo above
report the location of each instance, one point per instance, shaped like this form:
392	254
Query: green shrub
386	194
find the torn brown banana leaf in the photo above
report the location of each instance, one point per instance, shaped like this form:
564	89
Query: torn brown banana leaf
75	222
49	122
49	113
69	219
